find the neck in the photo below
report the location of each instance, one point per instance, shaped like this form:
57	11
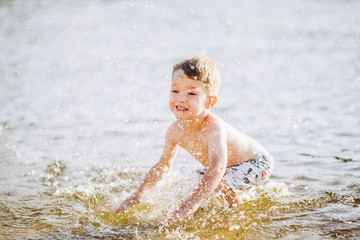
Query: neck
194	124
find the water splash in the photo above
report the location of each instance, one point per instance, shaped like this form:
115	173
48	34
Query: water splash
68	210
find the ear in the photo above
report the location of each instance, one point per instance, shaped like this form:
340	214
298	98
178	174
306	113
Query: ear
211	102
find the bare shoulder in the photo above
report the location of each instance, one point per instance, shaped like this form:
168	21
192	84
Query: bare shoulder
174	127
216	126
173	132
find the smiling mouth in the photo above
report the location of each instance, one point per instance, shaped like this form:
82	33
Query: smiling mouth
181	108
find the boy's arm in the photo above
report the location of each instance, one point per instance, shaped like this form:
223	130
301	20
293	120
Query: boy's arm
217	166
155	174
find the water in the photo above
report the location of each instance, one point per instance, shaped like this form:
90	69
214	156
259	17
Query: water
83	114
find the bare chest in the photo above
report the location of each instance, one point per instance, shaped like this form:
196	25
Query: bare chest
197	146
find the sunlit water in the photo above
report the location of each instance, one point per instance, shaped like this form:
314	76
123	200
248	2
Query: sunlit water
83	114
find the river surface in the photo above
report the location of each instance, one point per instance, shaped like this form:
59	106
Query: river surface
84	91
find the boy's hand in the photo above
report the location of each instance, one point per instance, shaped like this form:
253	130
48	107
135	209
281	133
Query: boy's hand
180	214
184	210
130	202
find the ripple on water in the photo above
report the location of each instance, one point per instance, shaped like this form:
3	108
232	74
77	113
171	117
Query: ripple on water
86	211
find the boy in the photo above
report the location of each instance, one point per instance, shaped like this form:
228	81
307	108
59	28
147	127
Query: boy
231	158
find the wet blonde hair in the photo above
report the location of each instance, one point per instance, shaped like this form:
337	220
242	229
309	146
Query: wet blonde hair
201	68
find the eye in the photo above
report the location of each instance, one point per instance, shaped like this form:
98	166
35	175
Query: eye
174	91
192	93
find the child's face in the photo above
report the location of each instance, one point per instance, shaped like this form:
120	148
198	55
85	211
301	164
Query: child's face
188	97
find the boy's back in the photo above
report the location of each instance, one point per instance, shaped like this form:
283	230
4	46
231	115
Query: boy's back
240	147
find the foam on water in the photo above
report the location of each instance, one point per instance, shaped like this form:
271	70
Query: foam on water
65	209
91	207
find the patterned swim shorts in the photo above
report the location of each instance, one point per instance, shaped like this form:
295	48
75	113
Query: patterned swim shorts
252	172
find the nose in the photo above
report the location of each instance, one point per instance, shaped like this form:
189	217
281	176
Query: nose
181	97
